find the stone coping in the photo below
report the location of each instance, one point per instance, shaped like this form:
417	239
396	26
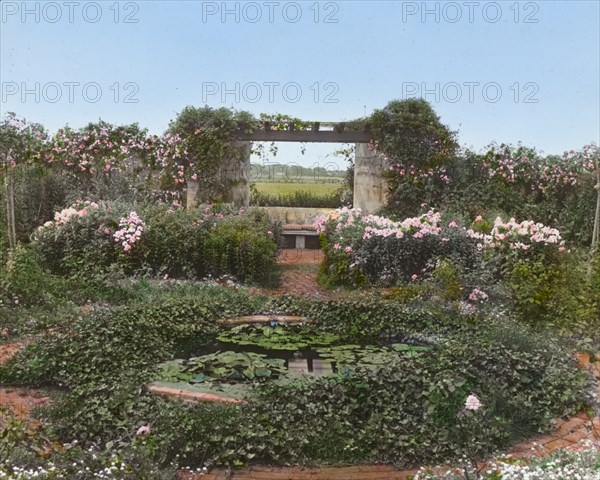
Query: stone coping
300	226
190	395
252	319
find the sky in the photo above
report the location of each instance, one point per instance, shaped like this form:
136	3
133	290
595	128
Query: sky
502	71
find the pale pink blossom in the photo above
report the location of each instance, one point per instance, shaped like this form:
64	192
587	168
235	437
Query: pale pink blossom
473	403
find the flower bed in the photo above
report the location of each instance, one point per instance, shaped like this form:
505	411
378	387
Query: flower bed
90	238
373	250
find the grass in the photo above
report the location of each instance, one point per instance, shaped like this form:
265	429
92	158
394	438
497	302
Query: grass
320	189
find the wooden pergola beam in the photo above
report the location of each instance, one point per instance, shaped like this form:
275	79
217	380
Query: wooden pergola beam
309	136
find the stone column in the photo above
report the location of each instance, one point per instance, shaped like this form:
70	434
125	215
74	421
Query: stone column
191	194
235	175
370	189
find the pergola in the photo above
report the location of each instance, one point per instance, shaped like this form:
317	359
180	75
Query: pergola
369	187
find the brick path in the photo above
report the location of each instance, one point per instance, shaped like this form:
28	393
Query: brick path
17	401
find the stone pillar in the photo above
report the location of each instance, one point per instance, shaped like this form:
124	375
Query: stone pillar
370	189
191	194
235	175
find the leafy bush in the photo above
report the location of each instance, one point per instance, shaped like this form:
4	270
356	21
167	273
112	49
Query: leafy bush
23	281
554	290
173	243
371	250
242	246
80	239
89	238
418	148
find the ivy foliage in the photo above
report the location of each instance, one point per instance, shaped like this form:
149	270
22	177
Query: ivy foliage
207	134
404	410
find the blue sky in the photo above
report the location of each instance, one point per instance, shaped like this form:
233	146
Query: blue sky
531	69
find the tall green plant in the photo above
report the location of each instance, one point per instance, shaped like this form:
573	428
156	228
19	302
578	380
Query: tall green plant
415	142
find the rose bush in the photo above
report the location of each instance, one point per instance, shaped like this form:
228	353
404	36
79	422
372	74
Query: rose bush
373	250
90	237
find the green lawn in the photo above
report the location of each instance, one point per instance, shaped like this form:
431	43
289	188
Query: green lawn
287	188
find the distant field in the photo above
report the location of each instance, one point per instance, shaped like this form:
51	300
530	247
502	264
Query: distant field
281	178
287	188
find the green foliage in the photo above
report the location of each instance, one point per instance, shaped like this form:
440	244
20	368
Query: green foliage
405	414
175	243
400	407
554	292
242	247
411	136
207	134
348	358
448	277
23	280
230	367
388	260
278	337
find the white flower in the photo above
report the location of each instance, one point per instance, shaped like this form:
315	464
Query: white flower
473	403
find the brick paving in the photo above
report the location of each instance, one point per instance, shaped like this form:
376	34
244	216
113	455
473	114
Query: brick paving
17	402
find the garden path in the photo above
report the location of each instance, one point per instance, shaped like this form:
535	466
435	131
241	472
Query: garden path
17	402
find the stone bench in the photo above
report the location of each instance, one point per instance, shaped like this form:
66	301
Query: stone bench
296	235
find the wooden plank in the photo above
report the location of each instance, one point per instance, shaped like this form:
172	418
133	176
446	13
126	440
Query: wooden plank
326	136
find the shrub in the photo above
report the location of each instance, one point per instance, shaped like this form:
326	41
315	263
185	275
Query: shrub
89	239
367	249
242	246
554	290
173	243
80	241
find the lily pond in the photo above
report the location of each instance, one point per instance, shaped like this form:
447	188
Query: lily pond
248	354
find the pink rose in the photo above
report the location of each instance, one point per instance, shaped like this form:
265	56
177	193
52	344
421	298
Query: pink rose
473	403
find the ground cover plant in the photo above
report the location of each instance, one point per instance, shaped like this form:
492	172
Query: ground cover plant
581	463
101	362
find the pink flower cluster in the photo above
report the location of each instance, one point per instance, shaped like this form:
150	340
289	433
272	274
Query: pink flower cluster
518	236
130	230
478	296
347	223
101	148
78	209
473	403
422	175
546	174
349	226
